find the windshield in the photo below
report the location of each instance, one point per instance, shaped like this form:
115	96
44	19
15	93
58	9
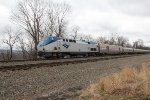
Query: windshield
45	41
48	40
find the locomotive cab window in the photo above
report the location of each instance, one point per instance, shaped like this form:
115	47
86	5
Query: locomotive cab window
64	40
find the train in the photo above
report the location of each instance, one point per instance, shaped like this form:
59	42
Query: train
52	46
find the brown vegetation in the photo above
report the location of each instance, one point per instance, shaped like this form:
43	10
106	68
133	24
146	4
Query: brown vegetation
129	84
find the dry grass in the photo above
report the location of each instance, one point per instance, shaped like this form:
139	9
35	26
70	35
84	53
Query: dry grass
129	84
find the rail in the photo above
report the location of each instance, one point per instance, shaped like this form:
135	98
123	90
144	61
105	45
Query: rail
25	65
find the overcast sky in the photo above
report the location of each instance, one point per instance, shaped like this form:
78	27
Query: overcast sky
130	18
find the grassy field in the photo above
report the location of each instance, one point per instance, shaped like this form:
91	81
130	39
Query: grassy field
128	84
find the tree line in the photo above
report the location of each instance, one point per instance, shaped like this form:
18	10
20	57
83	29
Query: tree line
35	19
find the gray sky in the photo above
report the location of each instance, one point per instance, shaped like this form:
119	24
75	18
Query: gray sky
130	18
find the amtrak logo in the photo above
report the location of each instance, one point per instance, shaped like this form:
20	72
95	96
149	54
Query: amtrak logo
66	46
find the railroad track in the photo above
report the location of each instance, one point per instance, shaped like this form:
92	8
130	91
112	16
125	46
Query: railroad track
25	65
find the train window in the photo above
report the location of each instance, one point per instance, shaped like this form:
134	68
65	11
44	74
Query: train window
70	40
64	40
94	49
74	41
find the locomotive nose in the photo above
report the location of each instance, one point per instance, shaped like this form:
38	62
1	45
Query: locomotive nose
41	51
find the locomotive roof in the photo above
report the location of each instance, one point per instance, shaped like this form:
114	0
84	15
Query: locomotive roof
77	41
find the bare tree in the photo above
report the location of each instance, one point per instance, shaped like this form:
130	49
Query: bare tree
112	40
25	45
23	48
135	44
57	14
29	16
129	45
87	37
38	19
138	44
30	48
75	30
122	41
81	36
10	40
101	40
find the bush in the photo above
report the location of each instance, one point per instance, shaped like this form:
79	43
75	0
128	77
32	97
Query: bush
130	83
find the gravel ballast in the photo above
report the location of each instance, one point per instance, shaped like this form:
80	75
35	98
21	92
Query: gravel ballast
59	82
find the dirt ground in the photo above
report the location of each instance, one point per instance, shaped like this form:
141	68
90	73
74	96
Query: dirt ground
59	82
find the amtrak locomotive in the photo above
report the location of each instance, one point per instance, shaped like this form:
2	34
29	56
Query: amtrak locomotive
52	46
